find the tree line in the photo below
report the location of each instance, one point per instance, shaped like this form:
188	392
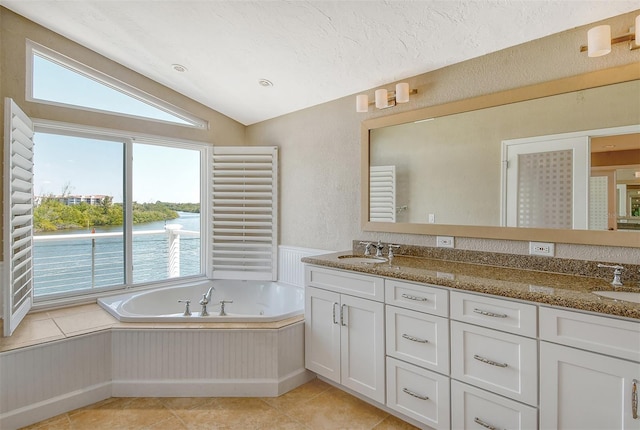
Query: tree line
53	215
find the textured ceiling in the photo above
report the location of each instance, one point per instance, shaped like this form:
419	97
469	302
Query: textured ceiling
312	51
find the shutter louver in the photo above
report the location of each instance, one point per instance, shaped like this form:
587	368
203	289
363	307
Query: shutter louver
18	216
382	194
244	208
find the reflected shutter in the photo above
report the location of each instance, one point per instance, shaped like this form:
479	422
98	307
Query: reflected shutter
382	194
244	212
18	216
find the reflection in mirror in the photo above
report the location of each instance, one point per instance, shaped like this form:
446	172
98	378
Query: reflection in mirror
448	169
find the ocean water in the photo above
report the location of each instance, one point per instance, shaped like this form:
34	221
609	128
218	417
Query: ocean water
85	264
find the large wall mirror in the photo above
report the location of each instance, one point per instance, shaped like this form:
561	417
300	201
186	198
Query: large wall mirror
552	162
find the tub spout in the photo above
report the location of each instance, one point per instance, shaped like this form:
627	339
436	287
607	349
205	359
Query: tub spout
206	298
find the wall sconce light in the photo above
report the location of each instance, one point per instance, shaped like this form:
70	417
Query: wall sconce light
599	39
385	99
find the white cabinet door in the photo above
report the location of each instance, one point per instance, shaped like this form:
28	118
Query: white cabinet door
362	346
584	390
322	332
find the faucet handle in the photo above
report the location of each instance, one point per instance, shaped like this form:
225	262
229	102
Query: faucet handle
367	247
617	271
187	312
391	248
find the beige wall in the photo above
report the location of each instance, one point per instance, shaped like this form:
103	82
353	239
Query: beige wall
15	30
320	153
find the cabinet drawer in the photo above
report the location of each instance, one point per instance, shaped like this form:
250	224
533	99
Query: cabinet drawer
418	338
419	297
418	393
355	284
619	338
474	408
500	362
514	317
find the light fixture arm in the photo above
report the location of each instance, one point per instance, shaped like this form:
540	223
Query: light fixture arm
629	37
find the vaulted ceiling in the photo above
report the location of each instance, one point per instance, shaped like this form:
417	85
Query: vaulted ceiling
312	51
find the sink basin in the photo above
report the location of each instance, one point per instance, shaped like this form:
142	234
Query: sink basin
359	259
620	295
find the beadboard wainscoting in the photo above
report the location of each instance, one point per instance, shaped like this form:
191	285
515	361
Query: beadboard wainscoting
45	380
195	363
290	268
42	381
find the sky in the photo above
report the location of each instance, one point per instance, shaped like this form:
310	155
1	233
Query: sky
92	166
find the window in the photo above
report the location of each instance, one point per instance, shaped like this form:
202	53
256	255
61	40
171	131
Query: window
60	80
81	227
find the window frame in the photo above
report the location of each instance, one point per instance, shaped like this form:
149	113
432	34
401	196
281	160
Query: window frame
129	139
33	48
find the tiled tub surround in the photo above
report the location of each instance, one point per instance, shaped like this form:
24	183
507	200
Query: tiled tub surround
63	359
427	265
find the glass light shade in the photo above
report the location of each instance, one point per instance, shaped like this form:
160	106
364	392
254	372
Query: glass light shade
599	41
362	103
402	92
381	98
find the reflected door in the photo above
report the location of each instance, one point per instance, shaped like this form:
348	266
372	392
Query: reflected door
545	183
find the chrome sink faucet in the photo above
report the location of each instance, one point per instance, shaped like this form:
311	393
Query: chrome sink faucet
367	247
379	247
617	272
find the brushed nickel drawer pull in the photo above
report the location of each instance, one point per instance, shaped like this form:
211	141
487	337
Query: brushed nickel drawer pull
489	314
334	312
416	298
417	396
483	424
415	339
634	399
491	362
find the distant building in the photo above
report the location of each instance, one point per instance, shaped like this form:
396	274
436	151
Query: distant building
71	200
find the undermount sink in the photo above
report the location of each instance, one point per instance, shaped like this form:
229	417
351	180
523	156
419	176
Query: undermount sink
620	295
359	259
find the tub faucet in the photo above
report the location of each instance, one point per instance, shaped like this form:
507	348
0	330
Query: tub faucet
206	298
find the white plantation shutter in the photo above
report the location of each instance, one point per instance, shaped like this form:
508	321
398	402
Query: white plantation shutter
18	216
382	194
244	207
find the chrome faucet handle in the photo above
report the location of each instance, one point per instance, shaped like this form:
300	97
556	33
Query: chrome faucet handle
222	303
379	247
391	248
187	312
367	247
617	272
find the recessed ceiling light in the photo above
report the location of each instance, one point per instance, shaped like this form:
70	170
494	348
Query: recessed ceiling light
265	83
179	68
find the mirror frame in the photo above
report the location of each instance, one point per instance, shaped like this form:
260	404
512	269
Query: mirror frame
585	81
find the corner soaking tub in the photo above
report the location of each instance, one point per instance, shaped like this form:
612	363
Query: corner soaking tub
253	301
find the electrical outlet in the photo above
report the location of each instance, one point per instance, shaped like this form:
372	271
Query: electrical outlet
444	241
432	218
541	248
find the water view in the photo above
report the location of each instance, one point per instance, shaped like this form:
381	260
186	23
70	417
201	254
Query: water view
71	260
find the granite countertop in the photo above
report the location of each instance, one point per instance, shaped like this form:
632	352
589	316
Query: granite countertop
569	291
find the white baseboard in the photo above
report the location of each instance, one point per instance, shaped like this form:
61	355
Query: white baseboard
54	406
211	387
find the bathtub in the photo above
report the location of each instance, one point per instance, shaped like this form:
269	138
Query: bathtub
253	301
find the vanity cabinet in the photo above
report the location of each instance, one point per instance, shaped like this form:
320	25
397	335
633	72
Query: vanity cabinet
589	371
417	337
344	333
